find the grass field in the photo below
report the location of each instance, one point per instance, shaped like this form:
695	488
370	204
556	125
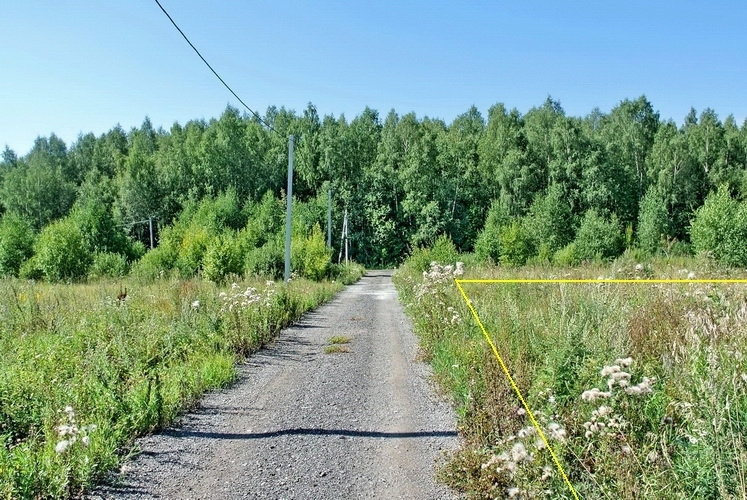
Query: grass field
640	389
84	369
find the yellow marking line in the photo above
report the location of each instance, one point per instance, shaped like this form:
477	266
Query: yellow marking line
505	368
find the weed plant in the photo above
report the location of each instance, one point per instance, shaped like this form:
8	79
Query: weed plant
83	372
640	389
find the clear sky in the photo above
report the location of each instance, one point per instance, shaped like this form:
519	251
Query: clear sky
83	66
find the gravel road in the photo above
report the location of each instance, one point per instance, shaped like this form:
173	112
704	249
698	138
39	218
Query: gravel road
300	423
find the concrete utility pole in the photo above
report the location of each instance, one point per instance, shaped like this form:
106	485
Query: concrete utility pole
150	225
289	210
329	218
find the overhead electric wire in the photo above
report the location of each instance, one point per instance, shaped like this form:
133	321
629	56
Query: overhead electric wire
215	72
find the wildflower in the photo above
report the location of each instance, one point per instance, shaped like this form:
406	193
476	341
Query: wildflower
519	453
546	473
522	411
525	432
62	446
593	394
652	456
609	370
639	267
556	431
512	492
624	362
269	283
691	275
86	440
195	304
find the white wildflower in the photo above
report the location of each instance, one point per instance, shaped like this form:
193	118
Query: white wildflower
62	446
512	492
609	370
195	304
624	362
691	275
85	440
546	473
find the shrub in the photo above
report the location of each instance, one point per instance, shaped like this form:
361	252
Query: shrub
720	228
16	244
598	238
224	256
155	263
108	265
567	256
653	221
443	251
61	252
516	245
311	258
549	221
488	243
267	260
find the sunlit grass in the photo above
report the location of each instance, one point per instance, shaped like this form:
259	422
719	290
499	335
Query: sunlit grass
647	382
121	367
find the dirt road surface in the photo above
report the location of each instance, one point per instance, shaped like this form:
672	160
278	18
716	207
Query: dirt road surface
301	423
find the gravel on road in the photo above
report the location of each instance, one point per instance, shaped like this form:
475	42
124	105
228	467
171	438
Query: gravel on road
302	423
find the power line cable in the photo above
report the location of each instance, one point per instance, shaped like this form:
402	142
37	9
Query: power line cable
214	72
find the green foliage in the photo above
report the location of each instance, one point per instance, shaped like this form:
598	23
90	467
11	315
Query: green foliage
443	251
653	220
561	345
75	353
310	257
155	263
108	265
550	222
720	228
224	256
598	237
516	244
267	261
16	244
61	253
488	243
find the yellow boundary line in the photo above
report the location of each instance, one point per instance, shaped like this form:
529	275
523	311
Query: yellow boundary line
505	368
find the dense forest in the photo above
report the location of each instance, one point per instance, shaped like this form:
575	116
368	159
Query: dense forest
511	186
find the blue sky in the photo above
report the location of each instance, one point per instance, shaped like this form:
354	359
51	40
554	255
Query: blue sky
84	65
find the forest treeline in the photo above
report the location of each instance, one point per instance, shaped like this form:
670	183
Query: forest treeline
511	186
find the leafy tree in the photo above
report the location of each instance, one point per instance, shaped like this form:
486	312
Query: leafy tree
628	134
653	221
679	180
16	244
488	243
61	253
720	228
598	237
516	244
550	221
37	191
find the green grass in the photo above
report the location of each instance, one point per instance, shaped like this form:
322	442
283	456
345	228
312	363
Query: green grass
339	339
83	367
684	439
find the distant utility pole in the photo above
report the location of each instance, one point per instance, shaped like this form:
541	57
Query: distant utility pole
344	239
329	218
289	210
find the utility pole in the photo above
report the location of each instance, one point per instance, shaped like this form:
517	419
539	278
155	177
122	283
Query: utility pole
329	218
150	225
289	209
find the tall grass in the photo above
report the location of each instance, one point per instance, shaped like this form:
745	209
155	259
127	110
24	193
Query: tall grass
82	373
641	389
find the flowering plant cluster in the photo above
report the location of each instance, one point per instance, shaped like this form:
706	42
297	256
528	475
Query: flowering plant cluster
71	433
526	447
433	288
239	300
